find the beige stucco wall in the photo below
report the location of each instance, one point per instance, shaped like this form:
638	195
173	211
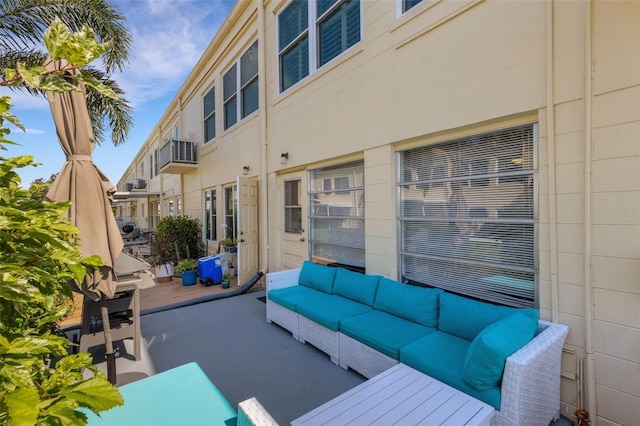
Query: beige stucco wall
453	68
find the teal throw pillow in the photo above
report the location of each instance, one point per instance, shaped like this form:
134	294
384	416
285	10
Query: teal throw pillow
317	276
486	356
356	286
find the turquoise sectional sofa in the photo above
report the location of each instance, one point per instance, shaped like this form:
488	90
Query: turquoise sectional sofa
505	357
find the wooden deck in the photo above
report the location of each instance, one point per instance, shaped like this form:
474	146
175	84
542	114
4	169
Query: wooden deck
163	294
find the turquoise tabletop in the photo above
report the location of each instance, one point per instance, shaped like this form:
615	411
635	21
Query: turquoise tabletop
181	396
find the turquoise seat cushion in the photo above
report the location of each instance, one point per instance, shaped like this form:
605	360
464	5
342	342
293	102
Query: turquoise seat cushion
383	332
417	304
465	318
289	297
485	359
317	276
441	356
328	309
356	286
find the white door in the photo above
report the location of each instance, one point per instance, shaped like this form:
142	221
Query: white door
247	233
293	213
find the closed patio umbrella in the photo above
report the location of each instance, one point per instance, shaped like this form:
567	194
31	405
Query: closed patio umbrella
90	192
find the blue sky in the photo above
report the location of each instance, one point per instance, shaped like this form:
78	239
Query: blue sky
169	37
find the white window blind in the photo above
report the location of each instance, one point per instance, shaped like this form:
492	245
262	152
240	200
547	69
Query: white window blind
337	217
467	216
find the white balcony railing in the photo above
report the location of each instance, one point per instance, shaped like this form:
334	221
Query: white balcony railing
178	156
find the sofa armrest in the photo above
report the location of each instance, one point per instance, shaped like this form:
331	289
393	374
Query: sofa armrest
252	413
531	381
283	279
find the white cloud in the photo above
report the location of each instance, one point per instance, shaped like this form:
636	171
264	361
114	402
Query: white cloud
168	39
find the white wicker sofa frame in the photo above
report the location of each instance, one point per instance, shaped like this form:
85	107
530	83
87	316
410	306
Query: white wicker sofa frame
526	395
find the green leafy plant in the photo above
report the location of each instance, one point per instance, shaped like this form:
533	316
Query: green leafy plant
229	242
40	383
182	235
186	265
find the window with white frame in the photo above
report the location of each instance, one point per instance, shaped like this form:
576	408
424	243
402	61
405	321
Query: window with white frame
210	215
467	216
242	78
337	218
209	108
408	4
156	162
230	212
292	207
313	32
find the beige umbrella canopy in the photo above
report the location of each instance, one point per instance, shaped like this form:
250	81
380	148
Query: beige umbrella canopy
89	190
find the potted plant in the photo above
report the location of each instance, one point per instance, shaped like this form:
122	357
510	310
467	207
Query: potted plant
229	244
187	268
160	259
226	277
232	269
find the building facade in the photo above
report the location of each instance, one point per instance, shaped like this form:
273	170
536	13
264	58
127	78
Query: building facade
486	147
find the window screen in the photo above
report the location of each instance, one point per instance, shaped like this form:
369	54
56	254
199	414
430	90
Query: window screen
230	80
249	80
333	26
337	217
292	207
338	30
209	108
467	216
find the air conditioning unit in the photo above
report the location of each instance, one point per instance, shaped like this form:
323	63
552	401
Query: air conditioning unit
139	184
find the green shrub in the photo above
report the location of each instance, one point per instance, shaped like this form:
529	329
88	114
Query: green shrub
181	232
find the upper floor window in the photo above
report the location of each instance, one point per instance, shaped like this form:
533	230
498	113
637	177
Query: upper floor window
408	4
242	79
313	32
209	108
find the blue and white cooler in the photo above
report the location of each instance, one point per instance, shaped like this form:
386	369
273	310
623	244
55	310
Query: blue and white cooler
210	270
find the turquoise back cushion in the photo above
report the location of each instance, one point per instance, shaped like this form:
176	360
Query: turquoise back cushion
417	304
317	276
356	286
485	359
466	318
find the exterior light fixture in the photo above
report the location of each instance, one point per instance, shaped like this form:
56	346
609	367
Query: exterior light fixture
284	157
245	170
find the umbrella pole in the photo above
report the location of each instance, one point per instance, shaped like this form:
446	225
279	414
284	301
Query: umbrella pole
110	352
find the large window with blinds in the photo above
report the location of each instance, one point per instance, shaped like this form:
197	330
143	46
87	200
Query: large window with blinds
313	32
336	199
467	216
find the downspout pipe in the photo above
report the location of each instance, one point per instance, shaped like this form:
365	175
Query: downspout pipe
588	285
551	162
263	184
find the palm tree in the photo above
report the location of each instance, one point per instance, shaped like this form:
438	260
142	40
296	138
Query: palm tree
22	25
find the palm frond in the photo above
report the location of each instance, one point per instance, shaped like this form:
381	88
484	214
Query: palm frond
23	22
